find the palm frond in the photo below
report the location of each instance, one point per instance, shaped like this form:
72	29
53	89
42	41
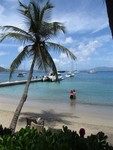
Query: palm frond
48	30
15	36
26	11
41	56
33	17
35	9
45	60
51	63
57	26
22	5
61	49
45	11
13	28
17	61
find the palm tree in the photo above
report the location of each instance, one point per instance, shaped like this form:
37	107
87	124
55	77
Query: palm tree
109	6
37	35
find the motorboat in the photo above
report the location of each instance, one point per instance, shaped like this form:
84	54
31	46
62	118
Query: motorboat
52	77
69	74
60	77
92	71
61	71
20	74
45	78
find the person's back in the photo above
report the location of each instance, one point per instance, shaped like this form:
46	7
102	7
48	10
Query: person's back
74	94
71	94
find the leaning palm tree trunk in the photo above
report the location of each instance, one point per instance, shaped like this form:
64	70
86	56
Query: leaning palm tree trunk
23	99
109	5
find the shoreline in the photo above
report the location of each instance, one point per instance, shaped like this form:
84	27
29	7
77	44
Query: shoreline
75	116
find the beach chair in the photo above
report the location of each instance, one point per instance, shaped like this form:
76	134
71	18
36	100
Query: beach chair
38	127
29	120
38	121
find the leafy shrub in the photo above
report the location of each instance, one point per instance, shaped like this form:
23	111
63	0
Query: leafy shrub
5	131
65	139
98	142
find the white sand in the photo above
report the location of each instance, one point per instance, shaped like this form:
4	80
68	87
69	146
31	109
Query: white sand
91	117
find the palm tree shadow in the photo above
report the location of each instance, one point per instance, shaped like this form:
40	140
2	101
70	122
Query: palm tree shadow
50	117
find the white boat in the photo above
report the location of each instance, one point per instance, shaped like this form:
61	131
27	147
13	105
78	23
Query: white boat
60	77
69	74
52	77
20	74
92	71
45	78
76	72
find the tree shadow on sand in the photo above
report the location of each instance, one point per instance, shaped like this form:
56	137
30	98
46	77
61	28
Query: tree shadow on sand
50	117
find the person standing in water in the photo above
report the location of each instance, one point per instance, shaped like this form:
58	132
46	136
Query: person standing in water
71	94
74	94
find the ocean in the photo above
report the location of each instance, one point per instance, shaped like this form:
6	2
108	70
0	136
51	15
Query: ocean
92	89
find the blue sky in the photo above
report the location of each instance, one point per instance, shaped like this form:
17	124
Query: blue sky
88	35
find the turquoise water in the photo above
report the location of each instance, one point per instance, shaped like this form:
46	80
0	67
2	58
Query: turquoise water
91	89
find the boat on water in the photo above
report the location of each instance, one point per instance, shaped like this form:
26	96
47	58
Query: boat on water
20	74
45	78
92	71
69	74
51	77
61	71
76	72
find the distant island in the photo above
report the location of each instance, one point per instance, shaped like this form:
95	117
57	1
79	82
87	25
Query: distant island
3	69
98	69
102	69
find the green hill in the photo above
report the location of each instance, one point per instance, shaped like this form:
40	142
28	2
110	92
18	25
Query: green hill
3	69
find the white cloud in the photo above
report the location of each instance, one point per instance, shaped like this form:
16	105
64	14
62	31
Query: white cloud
1	10
63	62
12	19
82	22
69	40
20	48
2	53
9	14
75	21
85	50
84	16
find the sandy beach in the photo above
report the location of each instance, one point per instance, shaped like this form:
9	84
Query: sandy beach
91	117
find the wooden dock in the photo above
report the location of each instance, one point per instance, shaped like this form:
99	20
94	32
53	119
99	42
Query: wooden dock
3	84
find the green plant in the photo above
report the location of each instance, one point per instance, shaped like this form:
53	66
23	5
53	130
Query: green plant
65	139
98	142
5	131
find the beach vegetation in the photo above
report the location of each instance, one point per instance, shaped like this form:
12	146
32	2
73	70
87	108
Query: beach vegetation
36	36
5	131
65	139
